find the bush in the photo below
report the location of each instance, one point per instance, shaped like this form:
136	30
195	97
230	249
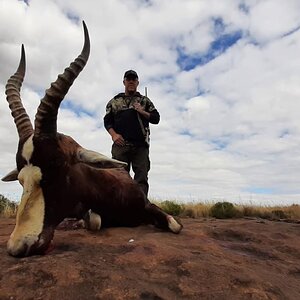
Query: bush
7	207
224	210
171	207
3	203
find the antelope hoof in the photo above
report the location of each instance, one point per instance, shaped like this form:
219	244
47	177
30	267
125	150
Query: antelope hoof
92	221
174	225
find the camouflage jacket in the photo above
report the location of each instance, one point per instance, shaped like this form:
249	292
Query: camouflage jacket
123	118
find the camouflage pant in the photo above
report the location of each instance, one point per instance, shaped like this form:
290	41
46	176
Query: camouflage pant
136	157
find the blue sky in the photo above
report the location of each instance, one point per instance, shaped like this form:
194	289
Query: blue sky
223	40
224	76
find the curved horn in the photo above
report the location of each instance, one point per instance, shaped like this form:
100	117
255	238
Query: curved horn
12	91
46	116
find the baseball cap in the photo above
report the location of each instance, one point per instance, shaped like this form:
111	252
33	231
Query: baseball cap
131	74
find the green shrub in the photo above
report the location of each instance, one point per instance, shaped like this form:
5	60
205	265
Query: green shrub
3	203
171	207
224	210
6	205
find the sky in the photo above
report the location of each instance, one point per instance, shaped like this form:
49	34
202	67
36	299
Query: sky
224	76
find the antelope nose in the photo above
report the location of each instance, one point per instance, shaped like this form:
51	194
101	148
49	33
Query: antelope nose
19	250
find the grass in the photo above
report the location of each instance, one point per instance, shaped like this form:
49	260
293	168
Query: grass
229	210
271	212
199	210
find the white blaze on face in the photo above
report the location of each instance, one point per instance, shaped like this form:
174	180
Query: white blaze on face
31	210
28	149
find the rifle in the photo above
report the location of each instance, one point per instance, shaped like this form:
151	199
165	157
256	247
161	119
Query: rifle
145	131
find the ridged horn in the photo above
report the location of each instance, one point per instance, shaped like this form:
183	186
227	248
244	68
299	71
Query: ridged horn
12	91
46	116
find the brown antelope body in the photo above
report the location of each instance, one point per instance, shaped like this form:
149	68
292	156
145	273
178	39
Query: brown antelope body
62	179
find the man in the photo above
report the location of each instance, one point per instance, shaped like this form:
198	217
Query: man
127	120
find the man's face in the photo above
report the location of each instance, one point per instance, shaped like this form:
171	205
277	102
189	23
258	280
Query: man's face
131	84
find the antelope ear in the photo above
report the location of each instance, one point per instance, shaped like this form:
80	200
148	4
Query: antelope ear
11	176
98	160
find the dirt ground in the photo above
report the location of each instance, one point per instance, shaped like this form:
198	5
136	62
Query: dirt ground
209	259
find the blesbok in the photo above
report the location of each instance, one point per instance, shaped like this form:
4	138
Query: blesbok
62	179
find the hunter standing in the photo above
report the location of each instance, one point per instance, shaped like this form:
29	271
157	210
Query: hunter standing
127	120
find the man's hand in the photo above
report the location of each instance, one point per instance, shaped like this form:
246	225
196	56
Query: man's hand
118	139
139	108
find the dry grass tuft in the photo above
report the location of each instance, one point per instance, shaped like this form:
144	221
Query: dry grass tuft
196	210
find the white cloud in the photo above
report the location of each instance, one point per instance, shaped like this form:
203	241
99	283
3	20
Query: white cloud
271	19
229	128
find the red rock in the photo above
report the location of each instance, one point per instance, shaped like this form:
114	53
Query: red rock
209	259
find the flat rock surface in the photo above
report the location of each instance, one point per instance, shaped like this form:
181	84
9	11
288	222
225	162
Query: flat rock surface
209	259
